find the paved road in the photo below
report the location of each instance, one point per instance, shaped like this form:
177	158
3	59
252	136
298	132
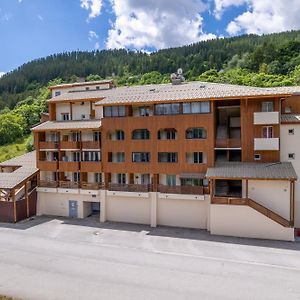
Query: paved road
64	259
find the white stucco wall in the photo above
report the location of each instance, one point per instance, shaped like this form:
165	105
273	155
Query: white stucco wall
62	108
182	213
79	109
243	221
273	194
291	144
57	204
128	209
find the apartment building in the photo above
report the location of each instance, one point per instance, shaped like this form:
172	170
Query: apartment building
197	155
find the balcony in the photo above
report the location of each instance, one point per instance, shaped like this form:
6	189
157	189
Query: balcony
69	166
91	166
90	145
228	143
181	189
264	144
68	185
137	188
44	165
69	145
266	118
92	186
48	184
48	145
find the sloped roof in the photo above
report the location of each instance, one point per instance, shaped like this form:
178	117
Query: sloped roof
84	83
290	118
68	125
168	92
26	168
241	170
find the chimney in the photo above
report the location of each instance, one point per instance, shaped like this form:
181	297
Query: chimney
177	78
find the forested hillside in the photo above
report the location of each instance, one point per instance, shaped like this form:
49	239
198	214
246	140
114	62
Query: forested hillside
275	54
269	60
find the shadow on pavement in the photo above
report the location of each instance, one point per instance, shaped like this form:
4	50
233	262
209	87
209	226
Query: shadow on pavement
160	231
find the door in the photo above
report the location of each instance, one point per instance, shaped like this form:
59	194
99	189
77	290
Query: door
73	209
145	179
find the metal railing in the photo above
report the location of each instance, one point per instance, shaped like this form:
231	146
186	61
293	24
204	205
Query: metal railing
138	188
181	189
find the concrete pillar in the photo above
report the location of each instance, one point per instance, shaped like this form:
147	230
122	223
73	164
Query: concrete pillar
153	216
103	206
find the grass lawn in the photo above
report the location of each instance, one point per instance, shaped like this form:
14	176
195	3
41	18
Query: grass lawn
13	150
7	298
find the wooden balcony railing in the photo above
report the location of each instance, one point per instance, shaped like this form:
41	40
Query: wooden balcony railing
228	143
138	188
48	145
91	186
48	184
91	166
256	206
45	165
69	166
69	185
69	145
181	189
90	145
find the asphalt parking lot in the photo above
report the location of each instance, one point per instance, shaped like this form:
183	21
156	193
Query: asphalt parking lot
57	258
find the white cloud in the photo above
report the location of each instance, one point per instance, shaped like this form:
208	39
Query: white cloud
97	46
40	18
265	16
93	35
156	23
221	5
94	6
1	74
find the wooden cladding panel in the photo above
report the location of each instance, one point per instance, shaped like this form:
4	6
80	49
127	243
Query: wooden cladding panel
155	123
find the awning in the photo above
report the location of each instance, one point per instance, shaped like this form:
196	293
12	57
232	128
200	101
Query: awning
192	176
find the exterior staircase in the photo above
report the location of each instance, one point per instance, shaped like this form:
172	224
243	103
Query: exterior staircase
254	205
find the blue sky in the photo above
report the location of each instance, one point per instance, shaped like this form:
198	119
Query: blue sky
32	29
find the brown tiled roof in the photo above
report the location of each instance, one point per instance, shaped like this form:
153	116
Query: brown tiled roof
68	125
290	118
240	170
169	92
26	168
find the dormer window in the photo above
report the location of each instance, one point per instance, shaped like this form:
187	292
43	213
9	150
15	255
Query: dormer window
87	88
57	93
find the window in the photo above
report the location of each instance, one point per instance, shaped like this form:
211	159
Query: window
117	157
121	178
76	177
167	157
167	134
96	136
98	177
140	156
291	155
76	156
87	88
97	87
192	181
57	93
196	133
291	131
171	180
144	111
267	132
114	111
65	116
91	156
75	136
120	136
196	108
82	117
267	106
167	109
141	134
198	157
257	157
